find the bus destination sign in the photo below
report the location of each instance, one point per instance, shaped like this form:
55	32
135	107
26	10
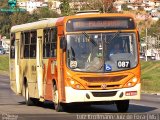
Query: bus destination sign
99	24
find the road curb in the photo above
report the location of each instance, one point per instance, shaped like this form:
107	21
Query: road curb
155	93
158	94
149	93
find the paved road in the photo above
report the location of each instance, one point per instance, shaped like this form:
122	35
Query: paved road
12	105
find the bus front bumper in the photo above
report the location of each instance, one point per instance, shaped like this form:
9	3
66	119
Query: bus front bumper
73	95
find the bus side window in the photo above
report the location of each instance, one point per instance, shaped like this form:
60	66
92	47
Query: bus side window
33	42
29	41
46	44
22	45
53	42
26	44
12	47
49	44
26	51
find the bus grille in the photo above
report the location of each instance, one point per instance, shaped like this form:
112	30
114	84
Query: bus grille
108	86
103	79
104	94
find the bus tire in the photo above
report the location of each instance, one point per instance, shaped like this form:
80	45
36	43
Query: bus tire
57	105
122	105
36	101
28	100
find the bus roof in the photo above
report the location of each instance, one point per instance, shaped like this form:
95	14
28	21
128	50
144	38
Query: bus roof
99	15
49	22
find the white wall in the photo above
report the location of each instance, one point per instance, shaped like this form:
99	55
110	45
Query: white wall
30	6
5	44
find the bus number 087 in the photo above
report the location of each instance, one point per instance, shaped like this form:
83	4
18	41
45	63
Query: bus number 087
123	64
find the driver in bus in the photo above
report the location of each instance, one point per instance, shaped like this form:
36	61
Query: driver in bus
116	49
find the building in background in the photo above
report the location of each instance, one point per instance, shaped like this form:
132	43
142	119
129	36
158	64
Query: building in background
55	5
5	43
32	5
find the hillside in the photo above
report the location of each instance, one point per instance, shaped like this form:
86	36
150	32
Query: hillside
150	76
4	64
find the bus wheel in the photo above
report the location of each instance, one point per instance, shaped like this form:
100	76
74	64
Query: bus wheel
28	100
57	105
122	105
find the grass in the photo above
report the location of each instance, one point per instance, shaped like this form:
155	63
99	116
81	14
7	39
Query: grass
4	64
150	73
150	76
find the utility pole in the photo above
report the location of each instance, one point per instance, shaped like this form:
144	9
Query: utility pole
157	45
158	40
146	43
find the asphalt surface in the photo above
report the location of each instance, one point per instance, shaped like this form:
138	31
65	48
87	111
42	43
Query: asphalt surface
12	107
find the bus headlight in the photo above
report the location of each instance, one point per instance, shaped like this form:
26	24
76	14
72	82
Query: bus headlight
132	82
74	84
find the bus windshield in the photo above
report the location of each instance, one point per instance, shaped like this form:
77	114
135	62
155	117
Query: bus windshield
101	52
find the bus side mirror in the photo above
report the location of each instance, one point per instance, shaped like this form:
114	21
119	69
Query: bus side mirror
63	43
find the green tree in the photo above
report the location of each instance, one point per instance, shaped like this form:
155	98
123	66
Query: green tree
4	4
103	6
7	20
65	7
151	30
4	24
45	13
124	7
4	19
19	18
26	17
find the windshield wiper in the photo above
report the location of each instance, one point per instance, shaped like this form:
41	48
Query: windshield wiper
90	39
73	53
114	36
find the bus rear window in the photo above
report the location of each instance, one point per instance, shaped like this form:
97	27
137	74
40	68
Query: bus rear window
81	24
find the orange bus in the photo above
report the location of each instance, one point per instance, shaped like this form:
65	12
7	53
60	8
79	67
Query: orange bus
74	59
